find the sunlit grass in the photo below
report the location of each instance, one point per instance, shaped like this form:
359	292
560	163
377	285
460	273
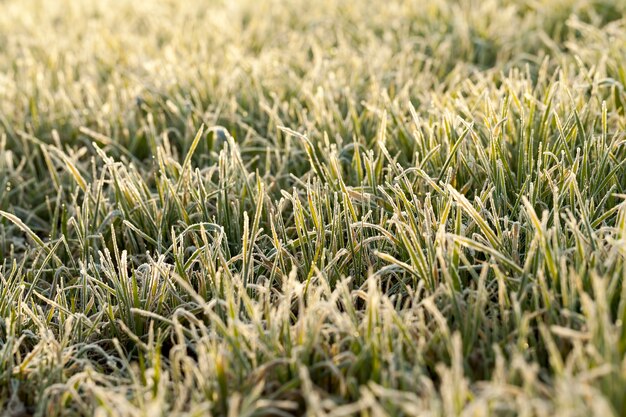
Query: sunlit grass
325	208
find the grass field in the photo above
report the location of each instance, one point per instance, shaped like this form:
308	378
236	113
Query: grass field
322	208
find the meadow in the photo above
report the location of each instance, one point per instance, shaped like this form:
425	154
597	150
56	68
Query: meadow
321	208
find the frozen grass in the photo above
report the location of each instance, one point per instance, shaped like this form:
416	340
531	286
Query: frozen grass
313	207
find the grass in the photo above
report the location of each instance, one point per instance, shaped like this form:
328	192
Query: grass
333	208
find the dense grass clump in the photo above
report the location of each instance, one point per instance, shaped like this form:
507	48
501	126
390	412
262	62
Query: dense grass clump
324	208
